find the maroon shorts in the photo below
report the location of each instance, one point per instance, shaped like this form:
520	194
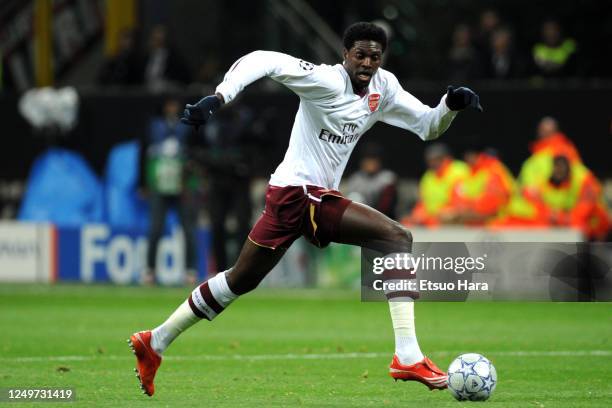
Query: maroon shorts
291	211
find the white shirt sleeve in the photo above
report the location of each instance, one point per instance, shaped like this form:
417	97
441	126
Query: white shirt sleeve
304	78
407	112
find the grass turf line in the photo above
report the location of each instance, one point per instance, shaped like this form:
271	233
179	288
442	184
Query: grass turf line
94	321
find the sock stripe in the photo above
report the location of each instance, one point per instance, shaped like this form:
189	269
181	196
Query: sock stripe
209	298
402	293
195	310
200	304
391	274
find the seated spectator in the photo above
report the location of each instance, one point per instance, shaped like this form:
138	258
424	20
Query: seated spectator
522	210
487	189
554	55
550	143
436	186
501	59
572	196
164	68
125	68
373	185
464	61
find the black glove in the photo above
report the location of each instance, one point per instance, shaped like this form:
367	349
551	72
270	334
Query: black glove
460	98
198	114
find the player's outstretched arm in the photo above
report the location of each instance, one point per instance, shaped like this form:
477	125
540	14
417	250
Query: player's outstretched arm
296	74
243	72
407	112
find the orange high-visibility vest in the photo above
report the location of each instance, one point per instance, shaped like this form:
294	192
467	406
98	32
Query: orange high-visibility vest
578	203
436	189
488	187
538	167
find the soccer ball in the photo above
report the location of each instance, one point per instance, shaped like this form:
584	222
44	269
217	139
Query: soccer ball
471	377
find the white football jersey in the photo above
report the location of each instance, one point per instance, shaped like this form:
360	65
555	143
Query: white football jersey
331	118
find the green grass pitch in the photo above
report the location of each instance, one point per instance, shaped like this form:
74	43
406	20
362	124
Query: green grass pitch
284	348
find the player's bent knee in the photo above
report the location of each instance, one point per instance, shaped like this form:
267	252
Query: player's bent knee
401	237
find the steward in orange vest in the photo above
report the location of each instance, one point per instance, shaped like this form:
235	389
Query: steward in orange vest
436	187
551	142
484	192
573	197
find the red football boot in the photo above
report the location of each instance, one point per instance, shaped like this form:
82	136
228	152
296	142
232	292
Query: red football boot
425	371
147	360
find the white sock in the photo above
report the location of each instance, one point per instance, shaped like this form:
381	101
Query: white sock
401	307
220	289
406	345
179	321
206	301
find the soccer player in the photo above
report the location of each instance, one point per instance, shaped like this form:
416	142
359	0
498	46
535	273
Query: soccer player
338	104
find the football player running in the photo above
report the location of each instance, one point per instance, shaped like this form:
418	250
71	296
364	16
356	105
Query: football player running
338	104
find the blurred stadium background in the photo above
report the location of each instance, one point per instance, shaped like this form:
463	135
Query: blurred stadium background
89	95
84	81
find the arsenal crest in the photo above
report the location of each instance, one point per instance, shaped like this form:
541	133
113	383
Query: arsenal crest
373	101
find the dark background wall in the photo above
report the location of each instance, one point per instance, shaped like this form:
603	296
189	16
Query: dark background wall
210	35
217	33
508	124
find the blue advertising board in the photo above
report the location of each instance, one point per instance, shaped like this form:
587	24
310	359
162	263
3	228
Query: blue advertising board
101	253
